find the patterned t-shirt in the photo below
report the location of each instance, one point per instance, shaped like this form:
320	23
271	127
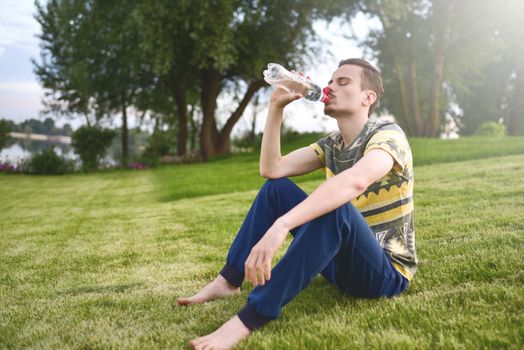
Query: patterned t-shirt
387	204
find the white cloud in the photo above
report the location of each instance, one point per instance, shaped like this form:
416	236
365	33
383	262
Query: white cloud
18	26
19	106
22	87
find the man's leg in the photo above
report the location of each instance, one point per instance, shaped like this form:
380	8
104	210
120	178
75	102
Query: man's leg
339	237
275	198
339	244
323	244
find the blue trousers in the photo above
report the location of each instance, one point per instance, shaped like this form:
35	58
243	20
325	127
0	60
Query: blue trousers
339	245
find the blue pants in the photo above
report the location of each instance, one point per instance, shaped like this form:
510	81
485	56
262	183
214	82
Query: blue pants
339	245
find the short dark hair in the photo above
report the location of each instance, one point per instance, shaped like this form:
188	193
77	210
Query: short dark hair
370	77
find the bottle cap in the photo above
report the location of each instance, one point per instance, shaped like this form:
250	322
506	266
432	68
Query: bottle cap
325	94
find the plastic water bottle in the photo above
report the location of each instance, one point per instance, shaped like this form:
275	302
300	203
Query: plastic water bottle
277	75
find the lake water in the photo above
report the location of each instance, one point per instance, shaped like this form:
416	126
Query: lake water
22	150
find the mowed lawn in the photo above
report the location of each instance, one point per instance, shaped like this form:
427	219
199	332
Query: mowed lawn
96	261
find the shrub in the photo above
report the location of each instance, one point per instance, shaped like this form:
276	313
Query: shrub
91	144
247	142
5	128
160	143
47	162
10	168
493	129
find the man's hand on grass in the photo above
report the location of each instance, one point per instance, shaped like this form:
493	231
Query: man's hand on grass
258	264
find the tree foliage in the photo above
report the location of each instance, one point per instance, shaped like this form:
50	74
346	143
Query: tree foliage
430	52
170	57
91	144
495	91
89	64
205	49
492	129
47	162
5	129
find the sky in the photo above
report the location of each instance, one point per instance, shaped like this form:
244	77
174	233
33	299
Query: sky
20	92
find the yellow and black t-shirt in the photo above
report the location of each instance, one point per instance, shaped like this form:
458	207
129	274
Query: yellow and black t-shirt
387	204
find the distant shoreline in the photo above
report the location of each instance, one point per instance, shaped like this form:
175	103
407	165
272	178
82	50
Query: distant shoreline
41	137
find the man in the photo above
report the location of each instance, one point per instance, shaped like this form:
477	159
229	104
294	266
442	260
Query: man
356	229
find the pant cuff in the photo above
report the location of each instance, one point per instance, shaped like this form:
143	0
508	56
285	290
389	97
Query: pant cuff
251	318
232	275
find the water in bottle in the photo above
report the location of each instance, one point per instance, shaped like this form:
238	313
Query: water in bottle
277	75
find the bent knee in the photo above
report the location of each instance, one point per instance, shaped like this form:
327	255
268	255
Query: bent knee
277	184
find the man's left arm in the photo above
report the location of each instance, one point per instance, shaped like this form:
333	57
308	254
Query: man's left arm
332	194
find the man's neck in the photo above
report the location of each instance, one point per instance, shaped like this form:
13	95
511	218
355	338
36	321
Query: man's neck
351	126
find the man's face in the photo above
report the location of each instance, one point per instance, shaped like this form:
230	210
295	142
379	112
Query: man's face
346	97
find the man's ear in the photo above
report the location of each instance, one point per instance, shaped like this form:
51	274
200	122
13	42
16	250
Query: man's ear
371	97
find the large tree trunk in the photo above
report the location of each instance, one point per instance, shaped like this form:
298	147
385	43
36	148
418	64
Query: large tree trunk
209	93
253	131
223	142
125	137
433	121
415	104
515	123
408	120
180	98
407	113
192	123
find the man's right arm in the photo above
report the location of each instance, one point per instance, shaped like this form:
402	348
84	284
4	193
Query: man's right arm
272	164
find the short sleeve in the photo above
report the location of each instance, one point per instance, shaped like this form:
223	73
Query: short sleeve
319	151
393	142
320	146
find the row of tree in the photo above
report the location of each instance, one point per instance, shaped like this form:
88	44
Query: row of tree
36	126
170	58
175	59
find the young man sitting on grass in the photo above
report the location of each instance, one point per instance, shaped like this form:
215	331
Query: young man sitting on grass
356	229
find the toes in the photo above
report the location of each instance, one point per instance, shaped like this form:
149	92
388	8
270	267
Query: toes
202	344
188	301
198	340
182	301
195	343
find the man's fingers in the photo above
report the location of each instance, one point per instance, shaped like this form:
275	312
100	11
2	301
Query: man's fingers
253	268
247	268
260	270
267	263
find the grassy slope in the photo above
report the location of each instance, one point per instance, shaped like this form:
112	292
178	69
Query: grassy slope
240	172
96	261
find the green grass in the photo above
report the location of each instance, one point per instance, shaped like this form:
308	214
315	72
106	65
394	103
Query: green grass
97	261
239	173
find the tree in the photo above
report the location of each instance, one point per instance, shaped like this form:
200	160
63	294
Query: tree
425	50
91	144
5	129
495	92
89	62
214	47
169	57
62	70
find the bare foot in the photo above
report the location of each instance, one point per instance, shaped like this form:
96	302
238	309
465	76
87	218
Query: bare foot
218	288
223	338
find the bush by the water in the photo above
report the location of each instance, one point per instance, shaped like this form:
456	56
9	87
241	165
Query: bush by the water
493	129
4	133
48	162
91	144
160	144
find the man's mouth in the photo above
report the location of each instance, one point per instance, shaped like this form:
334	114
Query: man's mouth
327	95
